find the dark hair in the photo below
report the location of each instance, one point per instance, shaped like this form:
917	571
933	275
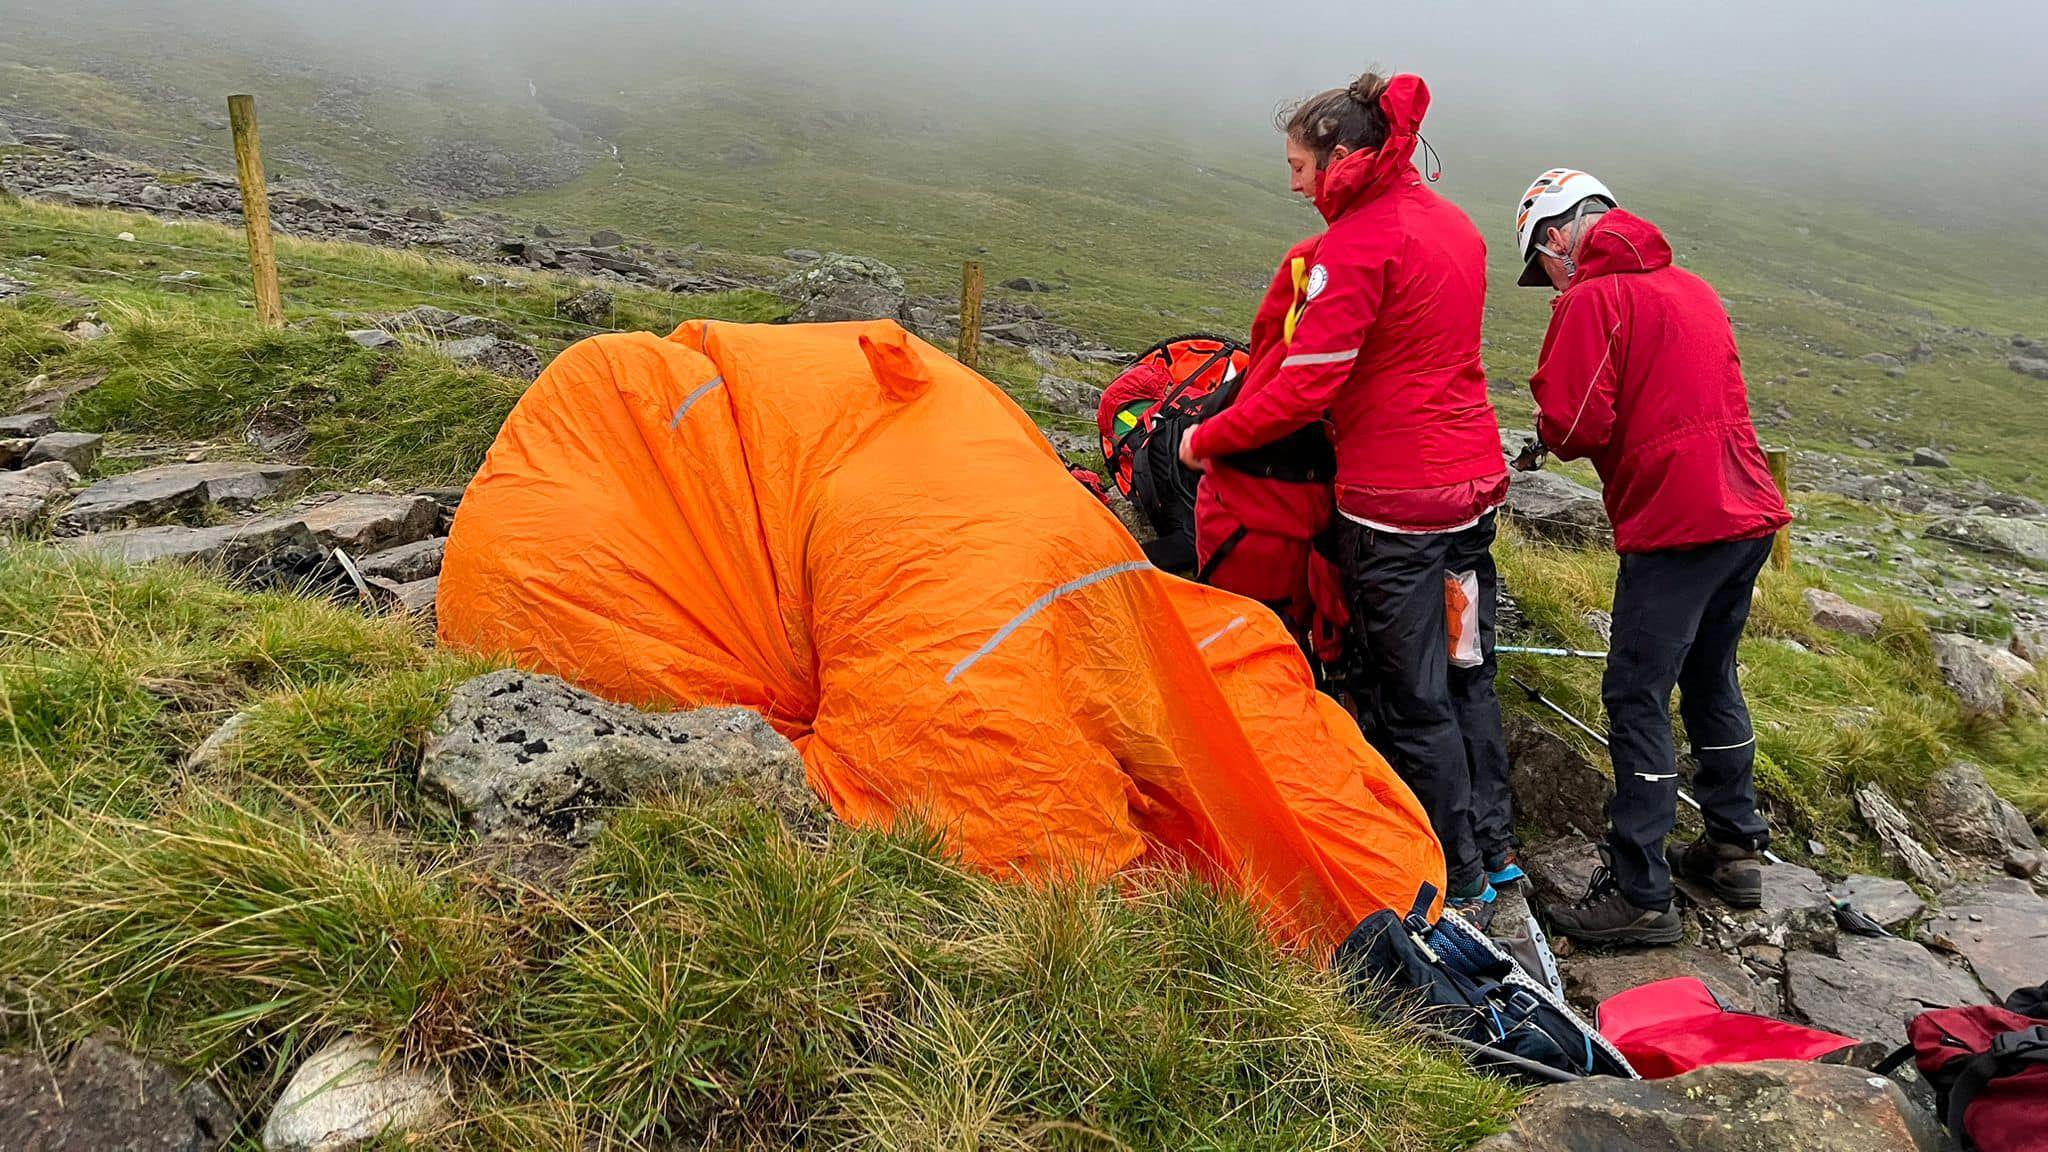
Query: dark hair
1348	116
1594	206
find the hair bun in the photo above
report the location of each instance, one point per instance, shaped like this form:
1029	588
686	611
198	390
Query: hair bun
1368	89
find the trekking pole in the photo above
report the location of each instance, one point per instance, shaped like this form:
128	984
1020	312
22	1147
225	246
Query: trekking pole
1518	650
1537	697
1522	1064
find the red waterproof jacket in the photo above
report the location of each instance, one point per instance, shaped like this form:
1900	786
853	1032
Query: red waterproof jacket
1639	372
1386	345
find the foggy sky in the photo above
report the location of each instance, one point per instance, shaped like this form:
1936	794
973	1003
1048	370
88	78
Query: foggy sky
1948	100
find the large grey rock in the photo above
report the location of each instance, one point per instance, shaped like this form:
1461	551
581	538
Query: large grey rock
104	1099
1765	1107
1561	869
1550	506
1069	397
494	354
1798	912
26	495
1835	614
1967	670
266	551
178	493
1591	977
27	425
429	320
372	338
1895	834
591	307
2029	366
1556	790
1968	816
2004	536
412	598
367	522
1875	986
2001	928
81	450
1889	902
843	287
1928	458
348	1096
518	753
406	562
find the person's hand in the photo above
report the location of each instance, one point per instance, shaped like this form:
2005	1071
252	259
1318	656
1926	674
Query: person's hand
1531	457
1187	453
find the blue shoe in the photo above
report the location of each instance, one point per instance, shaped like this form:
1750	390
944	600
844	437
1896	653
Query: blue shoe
1477	908
1504	870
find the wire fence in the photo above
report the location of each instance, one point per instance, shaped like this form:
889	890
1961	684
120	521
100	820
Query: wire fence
67	127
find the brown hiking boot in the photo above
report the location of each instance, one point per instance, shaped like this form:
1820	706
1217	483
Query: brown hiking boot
1735	873
1603	917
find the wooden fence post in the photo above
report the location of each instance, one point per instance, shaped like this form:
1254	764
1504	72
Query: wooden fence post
256	211
970	314
1781	471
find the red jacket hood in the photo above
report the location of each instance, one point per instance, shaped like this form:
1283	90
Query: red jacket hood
1621	241
1362	175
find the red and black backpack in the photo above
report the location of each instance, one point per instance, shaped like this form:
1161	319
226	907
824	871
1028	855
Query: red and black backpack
1989	1070
1144	412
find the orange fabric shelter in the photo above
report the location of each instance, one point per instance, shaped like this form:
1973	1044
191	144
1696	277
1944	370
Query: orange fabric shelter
842	527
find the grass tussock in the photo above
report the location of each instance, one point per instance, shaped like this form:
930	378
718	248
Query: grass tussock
697	978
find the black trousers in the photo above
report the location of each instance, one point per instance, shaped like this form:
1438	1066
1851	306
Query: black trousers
1437	724
1678	616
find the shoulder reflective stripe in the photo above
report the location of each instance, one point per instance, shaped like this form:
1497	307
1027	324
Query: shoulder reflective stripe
1040	605
1220	633
1308	359
692	398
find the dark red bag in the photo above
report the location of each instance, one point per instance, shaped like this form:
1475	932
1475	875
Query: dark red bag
1989	1070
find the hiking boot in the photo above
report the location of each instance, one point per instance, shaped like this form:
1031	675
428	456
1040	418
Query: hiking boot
1476	906
1734	872
1504	869
1603	916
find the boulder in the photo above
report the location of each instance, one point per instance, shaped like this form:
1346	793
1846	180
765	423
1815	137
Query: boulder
1874	988
1883	360
27	425
2003	536
1553	507
81	450
1561	870
364	523
373	338
102	1098
606	238
425	214
413	597
847	288
1069	397
1928	458
441	322
591	307
1887	901
1835	614
1967	816
178	492
1895	833
2001	928
268	551
493	354
515	753
1798	912
26	495
405	563
2029	366
1025	284
1778	1106
1967	670
802	255
1591	977
348	1096
1556	789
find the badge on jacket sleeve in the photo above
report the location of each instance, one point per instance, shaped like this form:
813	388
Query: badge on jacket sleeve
1318	279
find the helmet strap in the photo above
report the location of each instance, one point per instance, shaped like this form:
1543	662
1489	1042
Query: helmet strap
1572	237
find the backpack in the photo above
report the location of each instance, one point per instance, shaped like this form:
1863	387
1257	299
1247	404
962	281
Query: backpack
1466	991
1989	1070
1142	416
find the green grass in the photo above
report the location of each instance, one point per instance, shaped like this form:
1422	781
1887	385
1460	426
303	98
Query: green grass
697	978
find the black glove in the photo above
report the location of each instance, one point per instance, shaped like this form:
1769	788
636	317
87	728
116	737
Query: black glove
1532	455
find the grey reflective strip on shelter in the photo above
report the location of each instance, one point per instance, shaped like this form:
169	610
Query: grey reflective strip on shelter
692	398
1220	633
1040	605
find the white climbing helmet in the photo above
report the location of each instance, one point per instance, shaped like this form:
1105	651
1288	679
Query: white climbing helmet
1554	193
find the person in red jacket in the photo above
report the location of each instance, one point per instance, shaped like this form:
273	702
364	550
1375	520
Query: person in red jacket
1639	373
1381	344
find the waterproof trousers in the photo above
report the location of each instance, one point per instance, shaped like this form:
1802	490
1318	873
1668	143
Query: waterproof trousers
1438	724
1678	617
